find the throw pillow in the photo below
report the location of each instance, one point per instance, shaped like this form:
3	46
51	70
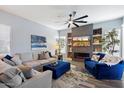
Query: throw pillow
47	55
8	57
106	58
16	60
2	85
4	66
116	59
35	55
26	70
10	62
101	55
12	77
95	57
50	54
111	60
41	56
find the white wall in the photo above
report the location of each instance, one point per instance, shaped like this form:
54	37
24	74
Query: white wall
108	25
4	38
122	38
21	30
63	33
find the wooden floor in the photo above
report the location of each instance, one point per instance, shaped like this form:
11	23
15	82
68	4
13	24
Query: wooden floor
100	83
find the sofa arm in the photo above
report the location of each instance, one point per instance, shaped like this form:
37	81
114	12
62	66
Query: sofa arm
87	59
109	72
42	80
55	56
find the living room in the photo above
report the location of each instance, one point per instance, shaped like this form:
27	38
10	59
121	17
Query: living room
66	46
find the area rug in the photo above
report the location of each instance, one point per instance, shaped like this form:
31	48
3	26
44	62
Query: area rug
73	79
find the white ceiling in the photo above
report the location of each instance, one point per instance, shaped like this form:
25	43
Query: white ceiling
55	16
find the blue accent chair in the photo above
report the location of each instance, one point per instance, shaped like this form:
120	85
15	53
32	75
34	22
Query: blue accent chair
103	71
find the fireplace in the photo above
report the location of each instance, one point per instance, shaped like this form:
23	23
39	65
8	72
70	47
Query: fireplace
78	55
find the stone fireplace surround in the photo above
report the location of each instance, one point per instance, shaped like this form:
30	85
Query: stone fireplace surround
82	52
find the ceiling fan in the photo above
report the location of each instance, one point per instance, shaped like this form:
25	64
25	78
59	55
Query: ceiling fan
72	21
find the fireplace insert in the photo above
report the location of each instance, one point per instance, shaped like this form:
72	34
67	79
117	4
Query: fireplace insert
78	55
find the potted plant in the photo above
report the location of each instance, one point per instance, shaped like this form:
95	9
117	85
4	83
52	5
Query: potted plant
109	41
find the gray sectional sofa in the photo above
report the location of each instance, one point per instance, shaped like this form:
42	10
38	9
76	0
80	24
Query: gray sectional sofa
39	80
30	59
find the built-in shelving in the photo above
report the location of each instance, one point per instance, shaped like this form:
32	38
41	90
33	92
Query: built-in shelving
97	35
97	40
69	45
82	41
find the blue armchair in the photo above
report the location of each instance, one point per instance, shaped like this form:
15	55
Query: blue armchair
103	71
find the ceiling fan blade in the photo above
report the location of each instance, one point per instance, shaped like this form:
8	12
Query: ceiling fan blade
81	17
66	22
80	21
69	25
76	25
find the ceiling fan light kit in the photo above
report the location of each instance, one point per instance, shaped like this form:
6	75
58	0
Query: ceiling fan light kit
73	21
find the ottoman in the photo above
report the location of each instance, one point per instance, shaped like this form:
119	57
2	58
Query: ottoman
59	69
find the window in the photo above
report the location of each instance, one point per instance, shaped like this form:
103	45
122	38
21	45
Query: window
4	39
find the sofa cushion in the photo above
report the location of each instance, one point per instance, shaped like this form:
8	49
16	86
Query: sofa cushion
26	56
2	85
42	62
35	55
4	66
12	77
95	57
16	59
52	60
32	63
10	62
91	64
111	60
106	58
41	56
46	55
26	70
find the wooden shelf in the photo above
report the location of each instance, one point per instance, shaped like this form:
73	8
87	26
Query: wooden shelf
81	46
81	41
97	43
99	35
95	52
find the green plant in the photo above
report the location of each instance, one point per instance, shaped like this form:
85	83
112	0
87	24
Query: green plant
110	40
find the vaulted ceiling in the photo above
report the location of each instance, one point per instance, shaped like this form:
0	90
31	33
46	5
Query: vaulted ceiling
54	16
